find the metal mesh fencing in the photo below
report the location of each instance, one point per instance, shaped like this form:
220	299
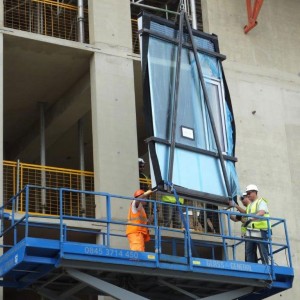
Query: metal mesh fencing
47	17
44	201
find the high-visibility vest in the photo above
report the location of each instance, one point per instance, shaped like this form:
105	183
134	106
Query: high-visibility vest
171	199
139	217
258	224
244	219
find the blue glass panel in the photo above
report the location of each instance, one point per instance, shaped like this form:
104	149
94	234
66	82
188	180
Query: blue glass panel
173	33
208	64
190	104
165	30
192	170
213	91
233	179
229	130
162	65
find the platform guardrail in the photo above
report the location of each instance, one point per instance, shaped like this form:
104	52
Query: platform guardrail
180	245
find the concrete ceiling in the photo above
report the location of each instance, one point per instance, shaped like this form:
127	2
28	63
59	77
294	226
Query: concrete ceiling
34	72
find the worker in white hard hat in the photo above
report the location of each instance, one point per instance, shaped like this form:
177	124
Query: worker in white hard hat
144	180
258	206
141	161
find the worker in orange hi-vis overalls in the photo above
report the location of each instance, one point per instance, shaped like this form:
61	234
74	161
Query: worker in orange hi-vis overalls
138	235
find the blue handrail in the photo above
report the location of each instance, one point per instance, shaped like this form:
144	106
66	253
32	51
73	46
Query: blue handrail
226	236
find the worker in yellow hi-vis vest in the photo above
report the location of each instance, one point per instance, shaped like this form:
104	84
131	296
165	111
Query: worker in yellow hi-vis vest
170	210
258	206
238	218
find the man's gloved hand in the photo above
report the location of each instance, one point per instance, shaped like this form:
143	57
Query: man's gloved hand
239	218
231	203
247	223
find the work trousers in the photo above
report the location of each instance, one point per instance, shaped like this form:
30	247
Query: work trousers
251	249
136	241
171	215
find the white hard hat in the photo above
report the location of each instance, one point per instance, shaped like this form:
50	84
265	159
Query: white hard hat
251	187
141	161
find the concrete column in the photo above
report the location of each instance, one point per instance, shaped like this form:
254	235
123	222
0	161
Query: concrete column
81	164
109	23
1	14
113	105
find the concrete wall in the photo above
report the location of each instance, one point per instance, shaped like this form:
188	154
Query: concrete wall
113	103
1	14
263	74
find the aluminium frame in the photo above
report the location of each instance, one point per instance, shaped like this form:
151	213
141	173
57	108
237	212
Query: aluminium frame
147	18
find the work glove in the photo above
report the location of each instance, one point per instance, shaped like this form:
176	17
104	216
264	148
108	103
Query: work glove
239	218
247	223
231	203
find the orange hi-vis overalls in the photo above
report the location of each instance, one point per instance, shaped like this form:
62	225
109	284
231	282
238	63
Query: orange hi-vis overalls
137	235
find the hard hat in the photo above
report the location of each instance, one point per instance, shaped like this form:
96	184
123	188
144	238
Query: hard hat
251	187
141	161
138	193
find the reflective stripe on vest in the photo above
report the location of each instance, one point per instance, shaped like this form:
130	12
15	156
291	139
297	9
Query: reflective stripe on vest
139	217
171	199
244	220
259	224
243	230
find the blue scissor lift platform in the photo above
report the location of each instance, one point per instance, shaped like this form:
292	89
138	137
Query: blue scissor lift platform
60	260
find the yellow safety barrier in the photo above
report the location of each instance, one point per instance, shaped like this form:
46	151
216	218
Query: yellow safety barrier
135	36
46	202
16	176
46	17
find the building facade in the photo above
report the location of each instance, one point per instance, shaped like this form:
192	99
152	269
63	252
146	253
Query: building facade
262	70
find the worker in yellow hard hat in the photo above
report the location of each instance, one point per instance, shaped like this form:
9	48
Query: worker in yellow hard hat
138	235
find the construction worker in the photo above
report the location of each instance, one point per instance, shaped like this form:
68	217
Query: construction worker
245	201
259	207
144	179
237	218
144	183
212	218
138	235
171	213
